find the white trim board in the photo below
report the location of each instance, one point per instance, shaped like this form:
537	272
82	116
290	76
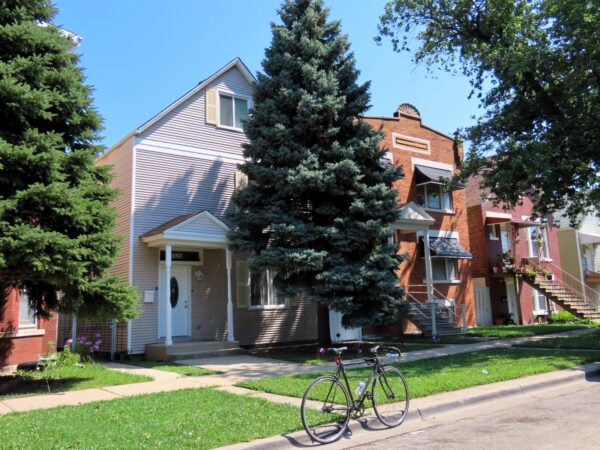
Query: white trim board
440	233
192	152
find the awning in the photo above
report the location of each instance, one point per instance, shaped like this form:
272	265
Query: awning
431	175
588	238
526	223
493	217
448	248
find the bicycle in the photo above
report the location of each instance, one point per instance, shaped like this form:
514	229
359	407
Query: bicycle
328	403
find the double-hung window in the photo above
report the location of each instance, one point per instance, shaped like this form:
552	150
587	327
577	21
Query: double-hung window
434	196
233	110
444	269
256	290
26	315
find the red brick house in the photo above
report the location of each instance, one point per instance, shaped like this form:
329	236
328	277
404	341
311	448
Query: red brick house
501	238
432	229
23	336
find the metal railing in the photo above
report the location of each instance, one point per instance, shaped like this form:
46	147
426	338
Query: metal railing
455	314
567	281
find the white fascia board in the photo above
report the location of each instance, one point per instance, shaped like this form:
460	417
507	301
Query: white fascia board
428	163
204	214
186	150
498	215
440	234
237	62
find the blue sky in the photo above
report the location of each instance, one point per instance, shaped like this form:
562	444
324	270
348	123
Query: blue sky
142	55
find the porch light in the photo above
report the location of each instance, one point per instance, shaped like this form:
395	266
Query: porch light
199	275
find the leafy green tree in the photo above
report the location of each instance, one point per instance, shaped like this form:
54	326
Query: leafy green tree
535	64
56	226
319	202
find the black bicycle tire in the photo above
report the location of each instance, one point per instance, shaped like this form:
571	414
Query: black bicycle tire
378	413
303	407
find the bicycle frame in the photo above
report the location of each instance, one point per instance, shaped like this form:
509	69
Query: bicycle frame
376	369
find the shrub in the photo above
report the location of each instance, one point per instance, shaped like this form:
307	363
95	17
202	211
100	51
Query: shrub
567	317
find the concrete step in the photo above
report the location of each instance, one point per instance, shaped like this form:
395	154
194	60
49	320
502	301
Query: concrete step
191	350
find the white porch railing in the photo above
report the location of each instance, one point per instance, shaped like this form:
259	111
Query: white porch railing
417	296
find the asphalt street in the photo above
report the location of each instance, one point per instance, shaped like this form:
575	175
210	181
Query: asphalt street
565	417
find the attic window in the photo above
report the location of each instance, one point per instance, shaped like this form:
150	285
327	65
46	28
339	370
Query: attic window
233	111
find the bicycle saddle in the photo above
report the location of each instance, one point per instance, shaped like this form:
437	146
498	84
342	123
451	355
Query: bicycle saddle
338	351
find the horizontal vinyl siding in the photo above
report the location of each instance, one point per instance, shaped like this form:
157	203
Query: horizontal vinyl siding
168	186
187	126
267	326
120	158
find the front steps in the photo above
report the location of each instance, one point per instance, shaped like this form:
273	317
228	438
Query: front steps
567	299
420	315
191	350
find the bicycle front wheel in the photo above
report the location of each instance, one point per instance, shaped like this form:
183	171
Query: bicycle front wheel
390	396
325	410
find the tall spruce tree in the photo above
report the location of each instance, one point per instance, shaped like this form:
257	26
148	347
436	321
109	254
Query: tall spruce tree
318	205
56	226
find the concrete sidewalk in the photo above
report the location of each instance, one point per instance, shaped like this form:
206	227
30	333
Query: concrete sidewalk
234	368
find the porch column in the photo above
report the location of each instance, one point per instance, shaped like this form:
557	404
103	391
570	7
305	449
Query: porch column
168	324
230	336
74	333
428	269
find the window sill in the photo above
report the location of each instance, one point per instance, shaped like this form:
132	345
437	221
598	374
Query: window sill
27	332
227	127
444	281
441	211
268	307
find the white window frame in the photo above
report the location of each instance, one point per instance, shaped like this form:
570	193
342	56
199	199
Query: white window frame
447	261
270	295
493	234
426	187
24	302
218	108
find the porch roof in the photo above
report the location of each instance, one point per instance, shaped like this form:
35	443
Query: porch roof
448	248
412	217
195	229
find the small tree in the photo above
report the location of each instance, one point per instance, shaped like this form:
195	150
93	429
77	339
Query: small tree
535	64
56	226
319	203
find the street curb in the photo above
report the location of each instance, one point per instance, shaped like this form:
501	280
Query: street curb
556	378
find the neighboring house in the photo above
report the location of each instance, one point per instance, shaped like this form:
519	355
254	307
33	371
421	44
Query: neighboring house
432	229
580	251
23	336
177	173
501	239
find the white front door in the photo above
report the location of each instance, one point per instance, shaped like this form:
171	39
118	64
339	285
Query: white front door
179	300
339	333
512	299
483	306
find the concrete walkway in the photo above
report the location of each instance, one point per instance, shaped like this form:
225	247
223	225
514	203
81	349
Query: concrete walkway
234	368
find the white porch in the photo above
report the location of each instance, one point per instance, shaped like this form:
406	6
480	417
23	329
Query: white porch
181	244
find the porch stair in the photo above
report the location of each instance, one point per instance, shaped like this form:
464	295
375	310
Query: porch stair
191	350
421	313
563	289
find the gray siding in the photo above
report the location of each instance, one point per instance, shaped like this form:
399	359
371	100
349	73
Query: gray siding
186	125
168	186
120	159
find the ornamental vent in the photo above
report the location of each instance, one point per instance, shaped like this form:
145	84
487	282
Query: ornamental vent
408	110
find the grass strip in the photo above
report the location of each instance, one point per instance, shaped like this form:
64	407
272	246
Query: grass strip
62	379
514	331
191	418
589	341
448	373
182	369
308	354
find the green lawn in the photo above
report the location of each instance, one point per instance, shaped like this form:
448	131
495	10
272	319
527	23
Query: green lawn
63	379
182	369
191	418
307	354
590	341
448	373
514	331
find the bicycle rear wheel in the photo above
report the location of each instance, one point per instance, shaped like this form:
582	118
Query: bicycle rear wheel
325	410
390	397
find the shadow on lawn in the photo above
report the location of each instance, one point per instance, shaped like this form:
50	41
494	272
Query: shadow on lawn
18	385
